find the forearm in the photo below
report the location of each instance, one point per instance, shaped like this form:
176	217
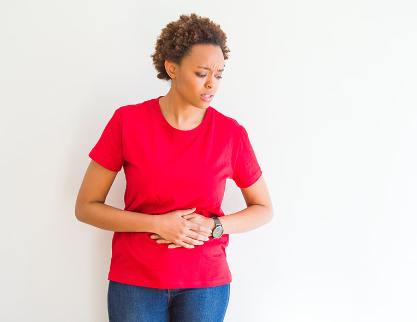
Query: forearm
247	219
110	218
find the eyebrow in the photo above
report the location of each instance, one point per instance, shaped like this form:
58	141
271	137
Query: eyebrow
220	70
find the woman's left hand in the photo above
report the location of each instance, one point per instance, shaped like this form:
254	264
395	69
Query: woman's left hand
199	219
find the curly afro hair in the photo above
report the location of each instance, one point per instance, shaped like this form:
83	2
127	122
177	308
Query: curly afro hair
177	38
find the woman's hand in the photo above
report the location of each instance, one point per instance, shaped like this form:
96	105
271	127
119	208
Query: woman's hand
182	229
193	218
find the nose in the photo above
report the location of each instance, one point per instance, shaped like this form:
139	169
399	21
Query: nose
209	82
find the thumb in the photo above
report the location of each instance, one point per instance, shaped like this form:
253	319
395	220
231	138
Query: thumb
188	211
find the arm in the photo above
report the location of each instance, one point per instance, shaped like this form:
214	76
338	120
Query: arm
90	207
259	210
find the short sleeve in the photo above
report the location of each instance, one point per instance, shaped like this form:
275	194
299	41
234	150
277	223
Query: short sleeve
108	151
246	169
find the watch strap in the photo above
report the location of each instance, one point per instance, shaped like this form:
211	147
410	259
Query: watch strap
217	222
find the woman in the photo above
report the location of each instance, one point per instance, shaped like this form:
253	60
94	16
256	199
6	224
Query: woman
168	250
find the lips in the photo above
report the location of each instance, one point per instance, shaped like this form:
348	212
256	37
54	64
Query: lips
205	98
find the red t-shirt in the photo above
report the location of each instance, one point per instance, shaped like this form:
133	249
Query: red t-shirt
168	169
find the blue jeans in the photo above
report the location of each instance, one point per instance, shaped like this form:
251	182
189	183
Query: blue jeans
131	303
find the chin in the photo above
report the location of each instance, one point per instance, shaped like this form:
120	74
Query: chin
202	105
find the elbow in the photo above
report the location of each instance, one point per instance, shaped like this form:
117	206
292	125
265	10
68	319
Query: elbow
82	210
79	212
272	216
270	213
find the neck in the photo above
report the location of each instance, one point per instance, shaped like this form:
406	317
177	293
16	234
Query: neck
179	113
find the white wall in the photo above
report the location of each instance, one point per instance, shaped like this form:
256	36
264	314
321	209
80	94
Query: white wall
327	92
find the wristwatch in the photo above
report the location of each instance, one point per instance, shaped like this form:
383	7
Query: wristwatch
218	230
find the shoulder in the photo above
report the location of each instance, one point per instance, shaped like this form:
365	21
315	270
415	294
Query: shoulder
226	123
136	113
135	109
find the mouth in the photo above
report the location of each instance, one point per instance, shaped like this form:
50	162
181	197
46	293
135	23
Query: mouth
207	97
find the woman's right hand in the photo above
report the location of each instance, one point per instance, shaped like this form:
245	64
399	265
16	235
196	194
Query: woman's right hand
174	227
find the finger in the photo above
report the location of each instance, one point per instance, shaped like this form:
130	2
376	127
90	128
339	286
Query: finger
187	211
200	228
163	241
173	246
176	246
193	241
199	235
189	216
183	244
155	236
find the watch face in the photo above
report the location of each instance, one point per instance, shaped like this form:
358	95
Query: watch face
218	231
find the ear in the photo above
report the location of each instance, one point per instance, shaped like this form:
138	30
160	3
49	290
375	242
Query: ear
170	68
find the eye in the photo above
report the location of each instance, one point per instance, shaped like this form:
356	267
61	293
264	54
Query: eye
200	75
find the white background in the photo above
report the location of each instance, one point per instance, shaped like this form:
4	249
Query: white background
327	93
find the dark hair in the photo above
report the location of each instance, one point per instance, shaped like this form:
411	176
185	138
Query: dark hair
177	38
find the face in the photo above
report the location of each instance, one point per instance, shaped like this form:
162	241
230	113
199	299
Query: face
200	73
